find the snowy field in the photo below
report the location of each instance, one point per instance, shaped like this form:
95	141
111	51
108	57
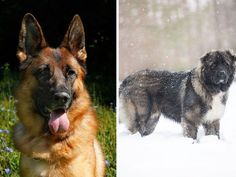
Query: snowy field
166	153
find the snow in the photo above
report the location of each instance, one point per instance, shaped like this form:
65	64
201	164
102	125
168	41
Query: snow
166	153
193	5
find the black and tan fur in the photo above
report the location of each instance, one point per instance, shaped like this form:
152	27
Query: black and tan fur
52	81
193	98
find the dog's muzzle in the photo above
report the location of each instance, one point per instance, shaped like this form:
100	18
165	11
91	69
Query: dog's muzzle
221	77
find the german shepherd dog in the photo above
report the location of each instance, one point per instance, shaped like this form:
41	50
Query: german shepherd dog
193	98
56	133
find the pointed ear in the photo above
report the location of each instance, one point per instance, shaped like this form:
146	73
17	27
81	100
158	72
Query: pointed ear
31	38
74	39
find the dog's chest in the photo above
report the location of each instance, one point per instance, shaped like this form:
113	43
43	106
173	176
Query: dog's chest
217	108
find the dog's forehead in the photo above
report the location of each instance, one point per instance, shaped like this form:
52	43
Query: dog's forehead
224	58
219	56
58	55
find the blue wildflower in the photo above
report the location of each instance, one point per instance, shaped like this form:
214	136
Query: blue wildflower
6	131
7	170
7	149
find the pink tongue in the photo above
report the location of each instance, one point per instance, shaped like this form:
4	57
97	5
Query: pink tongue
58	122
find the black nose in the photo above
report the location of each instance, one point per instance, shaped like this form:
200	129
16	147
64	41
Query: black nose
61	97
221	74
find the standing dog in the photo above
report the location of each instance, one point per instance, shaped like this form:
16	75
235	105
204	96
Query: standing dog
56	133
192	98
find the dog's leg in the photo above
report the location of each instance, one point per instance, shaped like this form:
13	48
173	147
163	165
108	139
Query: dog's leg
127	114
151	123
212	128
143	110
142	124
189	128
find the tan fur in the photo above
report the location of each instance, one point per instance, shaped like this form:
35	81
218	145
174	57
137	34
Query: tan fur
82	54
127	112
74	153
198	85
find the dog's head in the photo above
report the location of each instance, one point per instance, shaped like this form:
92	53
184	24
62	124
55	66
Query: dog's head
51	76
217	70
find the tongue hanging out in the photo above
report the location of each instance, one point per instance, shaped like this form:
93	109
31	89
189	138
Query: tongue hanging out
58	122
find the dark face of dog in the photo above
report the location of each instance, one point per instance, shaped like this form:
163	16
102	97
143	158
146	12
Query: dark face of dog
52	72
217	70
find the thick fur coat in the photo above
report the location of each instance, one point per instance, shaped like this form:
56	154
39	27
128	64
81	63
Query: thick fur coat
193	98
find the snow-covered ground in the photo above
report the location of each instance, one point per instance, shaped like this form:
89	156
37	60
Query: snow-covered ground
166	153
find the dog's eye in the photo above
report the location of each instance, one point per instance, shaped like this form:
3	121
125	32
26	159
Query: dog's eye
43	68
213	65
43	72
71	73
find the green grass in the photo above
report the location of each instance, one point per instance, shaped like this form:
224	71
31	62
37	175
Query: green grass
9	157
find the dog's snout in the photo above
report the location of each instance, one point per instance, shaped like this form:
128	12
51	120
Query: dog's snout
221	73
221	77
61	97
